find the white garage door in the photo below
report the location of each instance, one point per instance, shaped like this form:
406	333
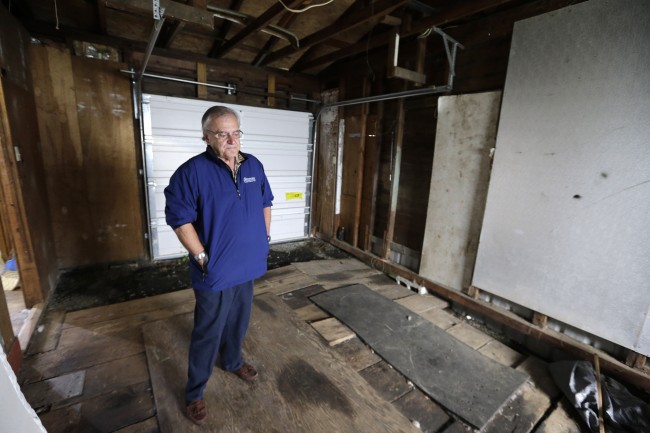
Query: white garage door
280	139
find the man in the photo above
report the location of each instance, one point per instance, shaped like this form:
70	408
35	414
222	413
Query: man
219	205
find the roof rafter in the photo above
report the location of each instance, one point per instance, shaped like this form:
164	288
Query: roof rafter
257	24
347	22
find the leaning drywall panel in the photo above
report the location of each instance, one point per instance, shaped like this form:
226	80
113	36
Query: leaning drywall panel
280	139
16	415
466	132
567	221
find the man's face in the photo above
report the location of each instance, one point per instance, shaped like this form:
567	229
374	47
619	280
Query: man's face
227	147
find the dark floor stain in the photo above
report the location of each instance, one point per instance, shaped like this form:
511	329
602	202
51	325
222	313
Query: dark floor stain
300	384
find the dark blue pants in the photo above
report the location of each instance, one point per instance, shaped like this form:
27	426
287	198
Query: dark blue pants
220	323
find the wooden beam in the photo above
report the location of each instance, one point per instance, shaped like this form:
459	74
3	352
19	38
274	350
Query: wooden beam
260	22
458	12
348	21
285	22
270	88
394	181
101	17
363	119
177	11
6	329
201	76
609	364
235	5
635	360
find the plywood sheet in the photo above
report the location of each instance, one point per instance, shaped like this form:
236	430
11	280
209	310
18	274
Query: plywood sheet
466	132
449	371
302	386
565	231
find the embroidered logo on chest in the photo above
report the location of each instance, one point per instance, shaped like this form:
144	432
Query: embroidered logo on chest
249	179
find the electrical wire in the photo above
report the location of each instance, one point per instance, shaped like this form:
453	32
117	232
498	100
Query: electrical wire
295	11
56	13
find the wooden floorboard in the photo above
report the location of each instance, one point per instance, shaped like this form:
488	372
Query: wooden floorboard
420	409
103	350
283	280
303	386
138	307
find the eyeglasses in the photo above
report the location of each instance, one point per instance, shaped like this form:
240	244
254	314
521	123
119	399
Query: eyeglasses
222	135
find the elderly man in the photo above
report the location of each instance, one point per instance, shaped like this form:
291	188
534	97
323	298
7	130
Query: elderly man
219	205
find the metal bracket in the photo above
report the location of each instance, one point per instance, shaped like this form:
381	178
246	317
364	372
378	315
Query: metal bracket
156	9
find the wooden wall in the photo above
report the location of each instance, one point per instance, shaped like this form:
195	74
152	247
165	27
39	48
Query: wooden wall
85	118
23	206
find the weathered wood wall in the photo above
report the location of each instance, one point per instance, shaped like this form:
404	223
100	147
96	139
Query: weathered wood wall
85	117
24	209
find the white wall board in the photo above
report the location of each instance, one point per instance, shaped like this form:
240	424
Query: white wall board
567	222
465	134
280	139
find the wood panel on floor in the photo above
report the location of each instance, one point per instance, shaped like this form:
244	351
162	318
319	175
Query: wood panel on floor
421	303
80	349
147	426
303	386
46	337
300	298
311	313
283	280
89	316
104	414
421	409
356	354
449	371
333	331
562	419
524	412
387	381
320	267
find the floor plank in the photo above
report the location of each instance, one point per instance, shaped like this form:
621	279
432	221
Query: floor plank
320	267
387	381
469	335
311	313
300	298
422	303
283	280
333	331
303	386
147	426
562	419
418	407
80	349
104	414
84	318
441	318
356	354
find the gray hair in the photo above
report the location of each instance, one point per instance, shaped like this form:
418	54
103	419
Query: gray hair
217	111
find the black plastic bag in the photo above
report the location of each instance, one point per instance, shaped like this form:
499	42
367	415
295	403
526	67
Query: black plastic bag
622	410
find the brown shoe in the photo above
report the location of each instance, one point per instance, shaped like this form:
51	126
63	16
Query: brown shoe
197	412
246	372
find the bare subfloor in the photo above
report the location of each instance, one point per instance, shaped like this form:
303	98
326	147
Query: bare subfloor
90	367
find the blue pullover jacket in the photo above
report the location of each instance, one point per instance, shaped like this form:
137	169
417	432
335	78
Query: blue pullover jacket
228	217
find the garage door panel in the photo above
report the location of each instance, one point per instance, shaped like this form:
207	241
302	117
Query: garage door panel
280	139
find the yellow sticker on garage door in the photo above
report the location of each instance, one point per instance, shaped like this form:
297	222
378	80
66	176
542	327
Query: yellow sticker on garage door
293	196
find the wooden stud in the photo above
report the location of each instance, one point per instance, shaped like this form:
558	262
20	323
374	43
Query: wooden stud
270	88
394	183
601	421
5	323
202	77
540	319
474	292
635	360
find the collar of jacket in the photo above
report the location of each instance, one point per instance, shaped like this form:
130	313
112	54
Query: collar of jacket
213	155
